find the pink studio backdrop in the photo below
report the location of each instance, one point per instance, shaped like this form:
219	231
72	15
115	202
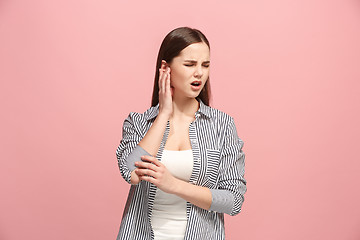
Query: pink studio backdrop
287	71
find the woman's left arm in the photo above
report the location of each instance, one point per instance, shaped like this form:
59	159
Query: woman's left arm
228	197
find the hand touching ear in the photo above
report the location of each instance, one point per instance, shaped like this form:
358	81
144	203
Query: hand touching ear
165	91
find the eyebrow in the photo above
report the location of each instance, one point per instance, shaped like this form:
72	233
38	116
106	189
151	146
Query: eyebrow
193	61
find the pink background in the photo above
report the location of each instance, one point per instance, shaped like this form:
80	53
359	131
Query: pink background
287	71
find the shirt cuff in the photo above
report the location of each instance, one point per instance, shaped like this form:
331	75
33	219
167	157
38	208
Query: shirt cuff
222	201
135	156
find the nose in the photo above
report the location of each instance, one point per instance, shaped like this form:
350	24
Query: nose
198	72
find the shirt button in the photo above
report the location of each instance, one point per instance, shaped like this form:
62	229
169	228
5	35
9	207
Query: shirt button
198	160
194	141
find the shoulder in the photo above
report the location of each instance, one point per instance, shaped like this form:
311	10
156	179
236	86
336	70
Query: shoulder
219	115
223	122
141	117
137	122
226	127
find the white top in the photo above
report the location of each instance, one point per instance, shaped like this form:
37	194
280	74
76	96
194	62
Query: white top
168	217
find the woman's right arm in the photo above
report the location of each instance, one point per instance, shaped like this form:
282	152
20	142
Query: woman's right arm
150	143
152	140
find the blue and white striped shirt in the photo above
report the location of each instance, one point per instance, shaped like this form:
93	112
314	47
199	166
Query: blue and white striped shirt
218	164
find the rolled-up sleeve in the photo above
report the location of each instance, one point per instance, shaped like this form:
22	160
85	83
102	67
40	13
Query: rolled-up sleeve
128	151
228	197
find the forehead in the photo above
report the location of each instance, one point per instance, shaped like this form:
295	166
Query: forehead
199	51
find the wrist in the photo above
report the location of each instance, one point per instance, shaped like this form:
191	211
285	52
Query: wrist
178	187
163	116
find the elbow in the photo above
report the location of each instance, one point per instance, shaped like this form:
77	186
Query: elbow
127	161
124	169
238	202
126	174
238	199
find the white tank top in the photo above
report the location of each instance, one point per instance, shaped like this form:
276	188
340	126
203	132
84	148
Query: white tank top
168	217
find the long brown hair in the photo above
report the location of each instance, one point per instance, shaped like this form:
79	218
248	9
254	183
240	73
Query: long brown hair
174	42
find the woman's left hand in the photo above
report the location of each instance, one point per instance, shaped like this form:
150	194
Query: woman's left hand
153	171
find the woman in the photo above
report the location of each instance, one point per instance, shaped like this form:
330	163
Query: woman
183	159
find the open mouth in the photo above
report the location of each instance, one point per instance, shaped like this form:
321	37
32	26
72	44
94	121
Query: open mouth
196	83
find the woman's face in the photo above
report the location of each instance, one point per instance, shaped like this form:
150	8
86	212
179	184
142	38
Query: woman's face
190	70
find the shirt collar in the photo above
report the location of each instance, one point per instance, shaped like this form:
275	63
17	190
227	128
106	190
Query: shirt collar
203	110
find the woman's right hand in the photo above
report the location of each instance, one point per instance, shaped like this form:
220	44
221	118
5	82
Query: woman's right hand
165	91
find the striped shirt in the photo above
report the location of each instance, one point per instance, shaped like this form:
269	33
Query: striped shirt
218	164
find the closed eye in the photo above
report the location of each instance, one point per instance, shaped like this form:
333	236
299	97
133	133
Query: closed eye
189	65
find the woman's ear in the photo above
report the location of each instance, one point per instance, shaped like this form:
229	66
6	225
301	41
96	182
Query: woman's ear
164	64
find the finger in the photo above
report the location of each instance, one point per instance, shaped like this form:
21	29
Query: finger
172	91
149	179
147	172
163	81
152	160
160	76
167	84
146	165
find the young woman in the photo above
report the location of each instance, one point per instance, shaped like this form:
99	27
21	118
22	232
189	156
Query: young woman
183	158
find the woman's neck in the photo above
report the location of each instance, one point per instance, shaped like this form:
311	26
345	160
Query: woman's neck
185	108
